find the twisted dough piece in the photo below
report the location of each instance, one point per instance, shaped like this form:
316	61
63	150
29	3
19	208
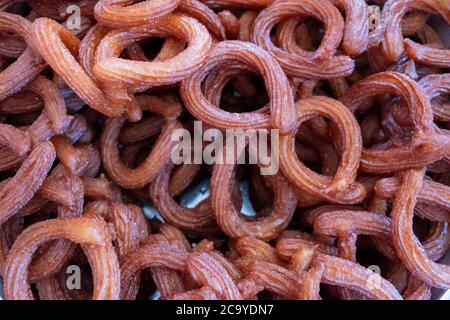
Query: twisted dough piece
170	282
322	63
356	30
39	131
310	285
198	220
155	253
428	37
344	273
129	225
292	282
406	243
16	140
391	37
436	241
228	217
262	275
125	75
432	194
129	228
281	101
427	55
88	47
414	21
246	21
19	189
428	143
138	132
58	47
87	51
347	274
230	23
180	180
56	255
91	233
125	14
346	225
341	188
211	274
28	65
55	107
159	157
433	85
255	249
12	46
65	189
204	15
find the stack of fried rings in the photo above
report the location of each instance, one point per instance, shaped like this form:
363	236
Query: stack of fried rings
352	98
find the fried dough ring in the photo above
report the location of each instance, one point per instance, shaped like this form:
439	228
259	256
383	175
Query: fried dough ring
228	216
200	219
346	226
428	144
344	273
299	64
63	187
114	72
406	244
157	160
342	188
393	44
281	104
91	233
